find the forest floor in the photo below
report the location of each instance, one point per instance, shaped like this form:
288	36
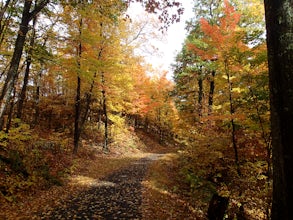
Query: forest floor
140	179
128	183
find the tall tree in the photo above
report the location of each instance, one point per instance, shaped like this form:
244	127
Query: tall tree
27	71
27	16
279	24
227	41
78	88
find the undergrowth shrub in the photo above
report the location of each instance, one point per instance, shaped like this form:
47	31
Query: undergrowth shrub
29	162
208	167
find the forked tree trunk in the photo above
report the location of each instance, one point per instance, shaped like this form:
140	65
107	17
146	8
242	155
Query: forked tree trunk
279	23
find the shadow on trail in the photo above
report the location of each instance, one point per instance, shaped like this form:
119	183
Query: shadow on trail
118	196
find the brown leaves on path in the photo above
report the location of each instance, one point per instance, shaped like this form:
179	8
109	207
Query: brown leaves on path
105	187
118	196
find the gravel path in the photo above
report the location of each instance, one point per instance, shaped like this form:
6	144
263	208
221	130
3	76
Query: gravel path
118	196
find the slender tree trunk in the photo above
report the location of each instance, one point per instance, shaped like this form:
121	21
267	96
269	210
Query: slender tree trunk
160	132
4	69
279	23
267	140
211	92
4	23
37	98
88	98
89	94
99	117
136	124
77	116
27	72
77	97
10	112
265	136
3	9
18	48
105	114
200	91
233	126
38	88
12	72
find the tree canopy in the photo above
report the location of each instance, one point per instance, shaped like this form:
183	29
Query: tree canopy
72	72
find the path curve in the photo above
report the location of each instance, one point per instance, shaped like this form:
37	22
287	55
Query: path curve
118	196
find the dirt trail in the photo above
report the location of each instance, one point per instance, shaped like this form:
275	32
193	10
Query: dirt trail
118	196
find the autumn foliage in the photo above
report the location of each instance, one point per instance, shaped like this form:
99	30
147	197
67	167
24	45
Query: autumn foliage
221	92
78	79
80	82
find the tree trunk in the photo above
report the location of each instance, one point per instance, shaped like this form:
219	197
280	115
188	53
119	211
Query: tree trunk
14	64
99	118
267	140
77	97
88	95
200	91
265	135
18	48
211	92
2	11
27	72
217	207
88	99
4	23
105	147
233	126
37	98
10	112
77	116
279	23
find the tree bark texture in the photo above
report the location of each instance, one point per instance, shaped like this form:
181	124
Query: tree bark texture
279	24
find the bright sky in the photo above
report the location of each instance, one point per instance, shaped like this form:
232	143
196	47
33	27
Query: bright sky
175	36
